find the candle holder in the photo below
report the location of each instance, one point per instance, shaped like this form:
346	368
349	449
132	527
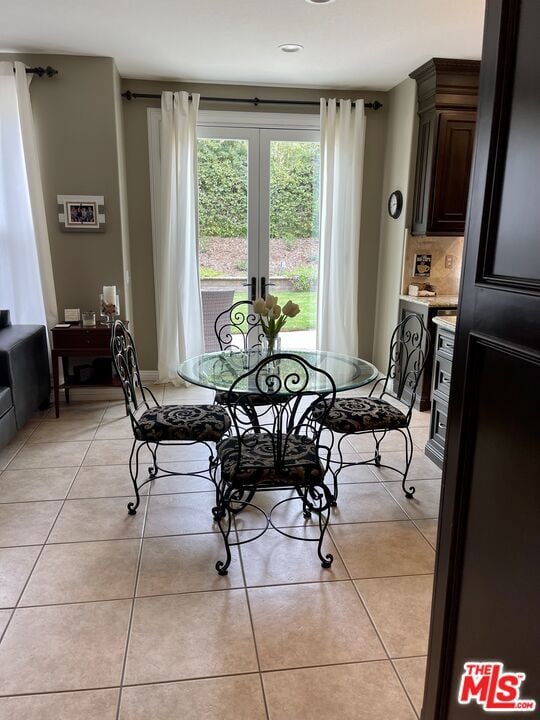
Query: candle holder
109	311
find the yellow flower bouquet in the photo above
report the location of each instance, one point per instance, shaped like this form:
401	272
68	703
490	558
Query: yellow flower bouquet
273	317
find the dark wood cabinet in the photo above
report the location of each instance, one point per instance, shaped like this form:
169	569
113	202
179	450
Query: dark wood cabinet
427	313
447	97
442	376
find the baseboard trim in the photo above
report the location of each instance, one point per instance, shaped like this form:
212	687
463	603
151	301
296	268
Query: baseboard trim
149	376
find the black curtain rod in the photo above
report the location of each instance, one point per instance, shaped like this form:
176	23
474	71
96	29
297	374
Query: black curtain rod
41	71
128	95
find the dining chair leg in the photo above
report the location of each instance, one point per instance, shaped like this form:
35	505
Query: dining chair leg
153	470
134	473
224	520
409	448
325	501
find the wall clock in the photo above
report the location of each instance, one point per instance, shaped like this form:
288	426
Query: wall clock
395	204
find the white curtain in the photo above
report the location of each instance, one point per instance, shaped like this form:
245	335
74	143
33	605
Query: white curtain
176	254
342	164
26	277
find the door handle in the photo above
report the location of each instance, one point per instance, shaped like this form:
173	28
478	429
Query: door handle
265	285
253	284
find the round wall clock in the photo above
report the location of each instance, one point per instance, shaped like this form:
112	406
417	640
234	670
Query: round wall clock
395	204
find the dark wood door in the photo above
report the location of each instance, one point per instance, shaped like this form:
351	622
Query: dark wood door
487	590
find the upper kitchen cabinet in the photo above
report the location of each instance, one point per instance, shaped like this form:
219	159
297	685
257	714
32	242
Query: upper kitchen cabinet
447	99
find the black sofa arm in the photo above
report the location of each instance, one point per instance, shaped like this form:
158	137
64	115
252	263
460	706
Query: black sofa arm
24	367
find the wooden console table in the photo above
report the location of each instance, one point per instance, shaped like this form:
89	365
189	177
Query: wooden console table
78	341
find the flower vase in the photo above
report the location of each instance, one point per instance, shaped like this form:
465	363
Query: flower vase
270	345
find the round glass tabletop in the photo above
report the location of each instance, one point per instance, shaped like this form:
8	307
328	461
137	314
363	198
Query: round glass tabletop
219	370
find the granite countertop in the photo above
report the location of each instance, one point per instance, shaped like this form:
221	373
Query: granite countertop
448	322
436	301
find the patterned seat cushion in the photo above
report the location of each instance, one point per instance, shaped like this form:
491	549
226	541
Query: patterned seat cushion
222	398
301	463
351	415
183	422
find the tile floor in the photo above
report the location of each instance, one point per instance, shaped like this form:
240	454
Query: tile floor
106	616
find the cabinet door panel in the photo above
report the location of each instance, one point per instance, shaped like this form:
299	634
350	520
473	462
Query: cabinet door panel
452	172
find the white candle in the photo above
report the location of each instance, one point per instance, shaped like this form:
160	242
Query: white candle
109	294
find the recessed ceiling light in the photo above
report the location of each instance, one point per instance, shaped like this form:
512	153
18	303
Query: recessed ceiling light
291	47
320	2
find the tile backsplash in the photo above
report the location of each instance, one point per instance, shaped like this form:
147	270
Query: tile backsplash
445	280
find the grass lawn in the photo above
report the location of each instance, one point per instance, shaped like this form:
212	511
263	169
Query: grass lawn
305	320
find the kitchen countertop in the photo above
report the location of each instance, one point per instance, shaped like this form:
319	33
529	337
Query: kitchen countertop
436	301
448	322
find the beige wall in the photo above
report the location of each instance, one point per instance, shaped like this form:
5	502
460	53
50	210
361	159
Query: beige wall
136	146
398	175
74	115
445	280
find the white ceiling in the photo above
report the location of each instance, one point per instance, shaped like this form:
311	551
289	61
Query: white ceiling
348	44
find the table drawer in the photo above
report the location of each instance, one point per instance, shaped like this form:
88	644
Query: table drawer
71	339
439	419
442	376
445	343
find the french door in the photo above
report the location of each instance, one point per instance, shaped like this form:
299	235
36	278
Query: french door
259	218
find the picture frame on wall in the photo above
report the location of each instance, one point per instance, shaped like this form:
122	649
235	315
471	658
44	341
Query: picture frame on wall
81	213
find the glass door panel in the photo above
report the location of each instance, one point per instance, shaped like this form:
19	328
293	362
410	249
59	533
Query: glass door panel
228	177
289	256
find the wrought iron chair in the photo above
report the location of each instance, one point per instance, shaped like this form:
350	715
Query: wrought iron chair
409	347
286	453
154	424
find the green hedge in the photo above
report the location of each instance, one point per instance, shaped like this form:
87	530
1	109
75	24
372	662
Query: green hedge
294	187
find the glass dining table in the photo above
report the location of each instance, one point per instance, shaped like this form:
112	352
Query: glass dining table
220	370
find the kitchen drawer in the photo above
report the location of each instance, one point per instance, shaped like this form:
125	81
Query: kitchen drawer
442	376
80	338
445	343
439	419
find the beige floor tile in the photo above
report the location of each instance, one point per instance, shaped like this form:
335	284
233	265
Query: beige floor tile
114	452
4	619
79	572
428	528
91	411
187	396
363	691
185	563
97	519
84	705
183	453
36	484
364	443
355	473
182	483
115	429
9	451
420	419
177	637
400	609
385	548
420	436
424	503
421	467
180	514
275	560
412	671
96	481
365	502
27	523
15	566
238	698
63	430
314	624
64	647
115	410
49	455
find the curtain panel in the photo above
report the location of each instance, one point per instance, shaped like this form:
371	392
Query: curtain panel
26	276
342	164
176	254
